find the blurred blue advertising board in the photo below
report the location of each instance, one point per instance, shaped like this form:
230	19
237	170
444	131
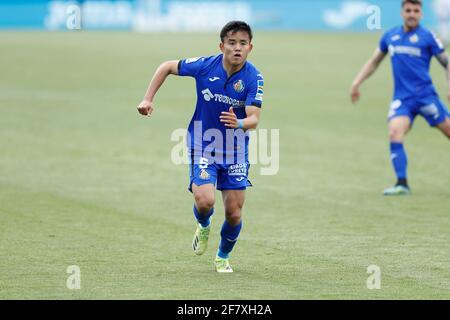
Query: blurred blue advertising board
205	15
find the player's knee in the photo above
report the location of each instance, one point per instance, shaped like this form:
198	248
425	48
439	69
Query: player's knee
234	220
396	134
233	216
204	203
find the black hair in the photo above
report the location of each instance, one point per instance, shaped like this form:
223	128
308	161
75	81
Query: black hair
419	2
235	26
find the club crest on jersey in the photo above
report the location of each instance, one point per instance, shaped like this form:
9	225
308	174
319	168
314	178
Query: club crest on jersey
239	86
204	175
414	38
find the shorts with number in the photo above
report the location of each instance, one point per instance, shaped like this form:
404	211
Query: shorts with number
223	176
431	108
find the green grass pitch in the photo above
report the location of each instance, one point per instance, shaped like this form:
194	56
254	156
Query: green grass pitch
85	180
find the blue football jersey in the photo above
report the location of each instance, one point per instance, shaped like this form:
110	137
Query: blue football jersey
411	53
216	92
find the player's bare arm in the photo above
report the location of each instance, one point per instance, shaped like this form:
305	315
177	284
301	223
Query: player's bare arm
250	122
162	72
443	60
367	70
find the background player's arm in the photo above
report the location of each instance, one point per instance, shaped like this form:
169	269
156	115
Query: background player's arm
367	70
169	67
443	60
250	122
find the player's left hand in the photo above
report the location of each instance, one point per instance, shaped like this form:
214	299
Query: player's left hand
354	93
229	119
145	108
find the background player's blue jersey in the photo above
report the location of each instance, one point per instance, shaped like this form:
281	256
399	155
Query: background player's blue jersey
411	53
216	92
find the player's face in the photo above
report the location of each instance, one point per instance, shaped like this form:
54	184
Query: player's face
236	47
412	14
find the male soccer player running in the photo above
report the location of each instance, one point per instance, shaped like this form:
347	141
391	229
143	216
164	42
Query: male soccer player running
229	99
411	48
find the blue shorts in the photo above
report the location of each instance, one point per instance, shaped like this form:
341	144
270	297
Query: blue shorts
431	108
223	176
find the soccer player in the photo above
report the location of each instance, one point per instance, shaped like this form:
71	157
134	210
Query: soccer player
229	100
411	48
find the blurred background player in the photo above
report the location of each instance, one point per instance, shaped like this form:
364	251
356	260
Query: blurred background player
411	48
442	10
229	98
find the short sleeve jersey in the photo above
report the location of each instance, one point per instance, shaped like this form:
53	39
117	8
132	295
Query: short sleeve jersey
217	92
411	54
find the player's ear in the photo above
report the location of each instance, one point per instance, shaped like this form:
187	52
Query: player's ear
251	47
221	46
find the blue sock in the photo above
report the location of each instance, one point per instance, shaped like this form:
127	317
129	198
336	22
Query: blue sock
399	160
229	236
204	220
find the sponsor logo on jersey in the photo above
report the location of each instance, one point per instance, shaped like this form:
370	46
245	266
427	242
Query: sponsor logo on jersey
239	86
214	79
396	37
412	51
208	96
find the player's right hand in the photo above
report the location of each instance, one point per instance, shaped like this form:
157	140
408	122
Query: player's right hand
145	108
354	94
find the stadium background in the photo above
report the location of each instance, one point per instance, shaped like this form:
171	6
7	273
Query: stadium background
86	181
202	15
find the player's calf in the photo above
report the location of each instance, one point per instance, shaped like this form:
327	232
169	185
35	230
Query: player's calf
233	202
